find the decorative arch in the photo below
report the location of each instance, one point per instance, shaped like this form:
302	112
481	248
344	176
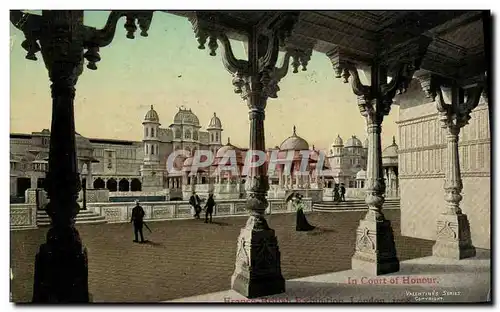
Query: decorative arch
99	184
178	133
135	185
123	185
111	185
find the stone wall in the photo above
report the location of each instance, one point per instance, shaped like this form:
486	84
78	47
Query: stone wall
157	211
22	216
422	163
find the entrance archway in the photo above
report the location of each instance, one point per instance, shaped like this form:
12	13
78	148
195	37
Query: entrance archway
135	185
123	185
111	185
22	185
99	184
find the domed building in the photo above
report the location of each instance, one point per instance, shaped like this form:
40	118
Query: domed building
121	166
294	143
390	164
285	163
345	161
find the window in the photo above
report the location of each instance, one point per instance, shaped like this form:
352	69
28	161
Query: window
178	133
212	137
195	135
147	131
152	150
153	132
147	150
187	134
217	136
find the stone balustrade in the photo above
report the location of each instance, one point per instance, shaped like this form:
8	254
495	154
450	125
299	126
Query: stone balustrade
22	216
158	211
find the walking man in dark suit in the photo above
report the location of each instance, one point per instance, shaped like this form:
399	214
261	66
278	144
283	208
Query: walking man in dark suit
137	219
209	207
342	192
195	202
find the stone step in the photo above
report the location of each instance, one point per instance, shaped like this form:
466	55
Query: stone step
83	217
348	204
100	221
359	205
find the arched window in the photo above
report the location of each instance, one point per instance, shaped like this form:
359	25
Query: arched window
195	135
212	137
135	185
111	185
99	184
187	134
178	134
217	136
147	131
147	151
123	185
153	132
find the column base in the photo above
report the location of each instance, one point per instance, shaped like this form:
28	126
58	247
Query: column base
375	248
453	238
61	271
258	268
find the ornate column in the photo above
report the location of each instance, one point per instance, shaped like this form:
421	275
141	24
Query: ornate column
257	269
61	271
375	249
453	238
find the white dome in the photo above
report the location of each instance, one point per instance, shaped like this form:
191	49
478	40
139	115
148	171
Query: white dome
215	123
221	152
294	143
361	175
391	151
186	117
353	142
338	141
152	115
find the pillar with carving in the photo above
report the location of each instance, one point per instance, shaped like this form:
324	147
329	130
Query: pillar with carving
453	237
375	248
257	269
61	269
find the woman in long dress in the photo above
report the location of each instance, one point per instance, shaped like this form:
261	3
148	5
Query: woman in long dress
301	223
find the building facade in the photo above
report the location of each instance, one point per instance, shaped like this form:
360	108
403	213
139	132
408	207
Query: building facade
116	165
423	161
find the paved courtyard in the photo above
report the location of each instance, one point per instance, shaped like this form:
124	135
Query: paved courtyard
188	257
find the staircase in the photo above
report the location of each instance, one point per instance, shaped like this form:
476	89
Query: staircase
83	217
352	205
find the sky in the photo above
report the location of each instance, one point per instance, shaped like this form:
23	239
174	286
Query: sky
167	70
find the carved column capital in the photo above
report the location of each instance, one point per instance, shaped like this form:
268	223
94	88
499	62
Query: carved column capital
456	114
35	28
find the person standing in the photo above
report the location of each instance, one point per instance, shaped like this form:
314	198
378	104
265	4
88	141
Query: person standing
195	202
336	193
209	207
342	192
138	220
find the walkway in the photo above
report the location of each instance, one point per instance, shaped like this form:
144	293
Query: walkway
422	280
188	258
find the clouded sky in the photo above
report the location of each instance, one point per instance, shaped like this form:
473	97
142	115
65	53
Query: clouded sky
167	70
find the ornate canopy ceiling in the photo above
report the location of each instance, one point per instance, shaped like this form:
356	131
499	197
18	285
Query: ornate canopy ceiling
456	48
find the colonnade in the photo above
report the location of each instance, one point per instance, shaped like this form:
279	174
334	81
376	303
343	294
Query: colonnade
61	270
